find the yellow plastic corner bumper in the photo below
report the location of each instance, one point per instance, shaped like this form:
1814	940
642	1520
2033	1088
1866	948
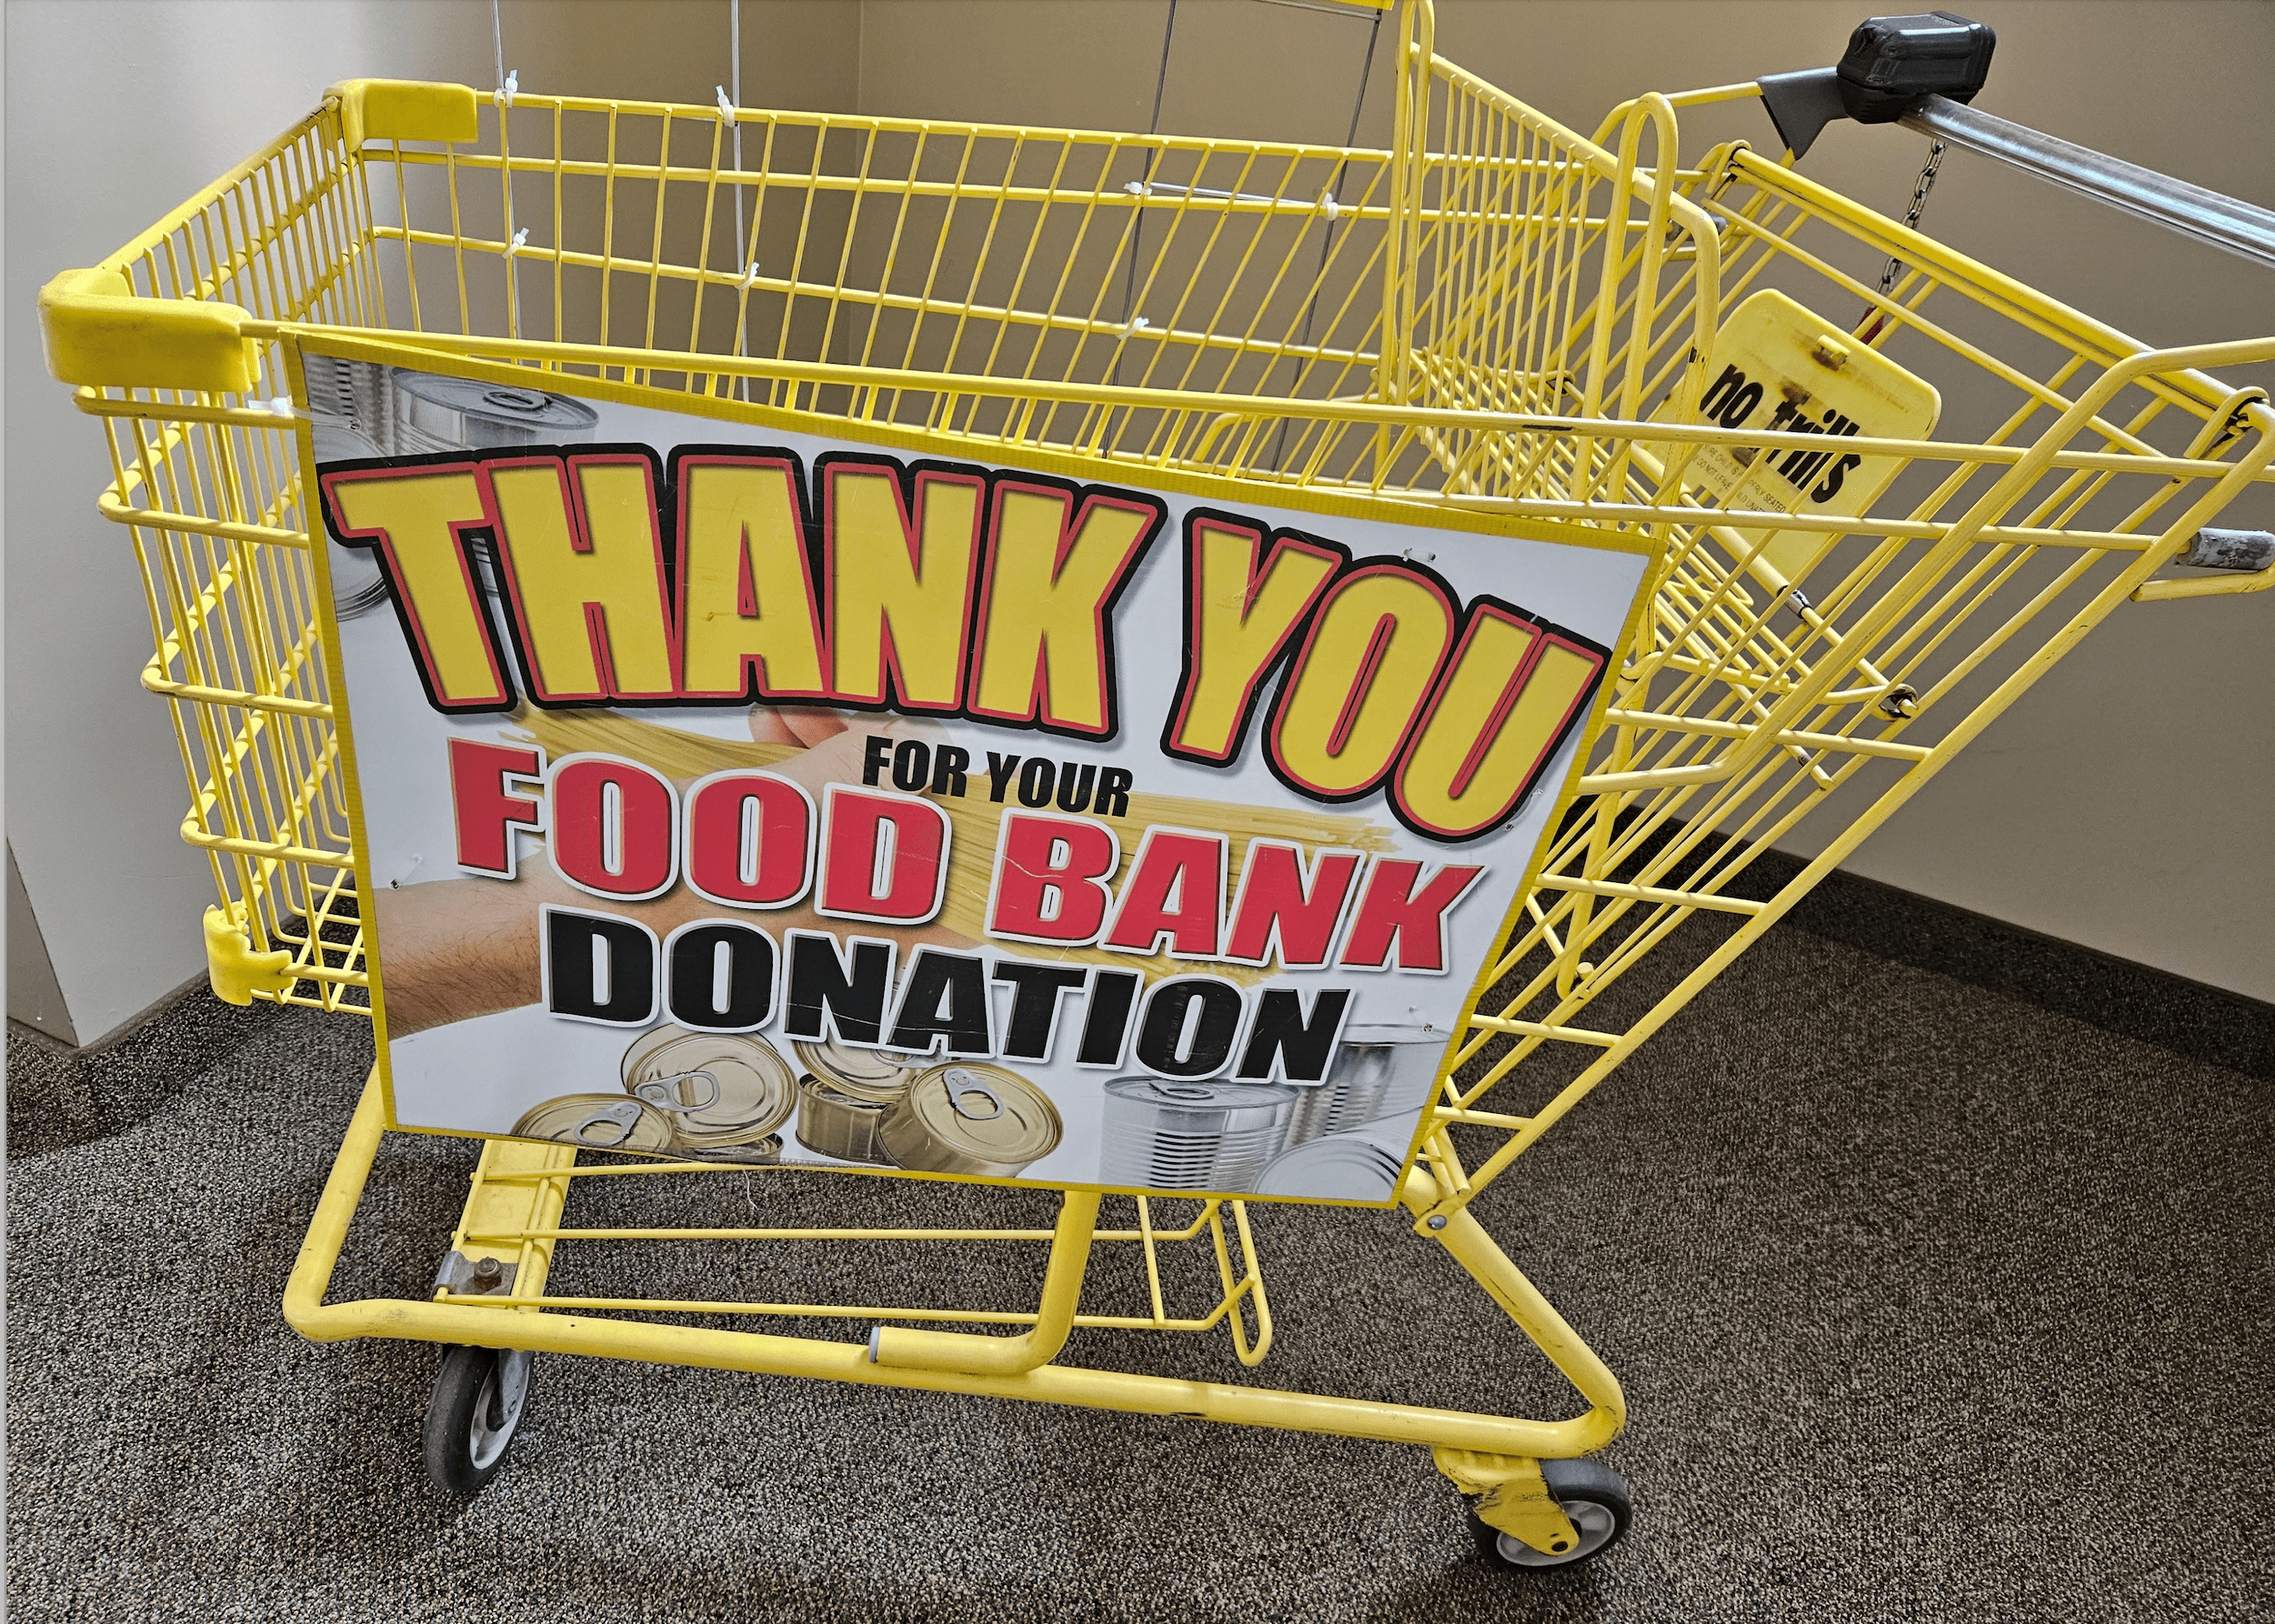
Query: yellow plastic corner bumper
95	330
234	969
404	110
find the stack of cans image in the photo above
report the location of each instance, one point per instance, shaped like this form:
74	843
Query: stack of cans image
1214	1136
729	1097
842	1096
707	1097
713	1097
1379	1071
1344	1138
895	1110
446	413
360	410
1359	1164
400	412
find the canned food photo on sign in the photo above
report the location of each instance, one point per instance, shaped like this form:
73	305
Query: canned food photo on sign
718	1091
842	1096
769	845
598	1122
969	1118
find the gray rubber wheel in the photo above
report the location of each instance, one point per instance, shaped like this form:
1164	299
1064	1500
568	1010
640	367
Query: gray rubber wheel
1594	1498
479	1396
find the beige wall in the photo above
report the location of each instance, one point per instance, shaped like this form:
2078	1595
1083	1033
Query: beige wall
2123	802
2120	804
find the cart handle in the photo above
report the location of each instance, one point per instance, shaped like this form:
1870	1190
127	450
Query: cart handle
2240	228
1920	71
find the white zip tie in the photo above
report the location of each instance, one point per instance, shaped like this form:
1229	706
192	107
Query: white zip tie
750	278
1137	324
281	405
726	108
521	240
1152	188
1326	202
511	88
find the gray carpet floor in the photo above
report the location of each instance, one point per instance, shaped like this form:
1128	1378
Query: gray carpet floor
1929	1305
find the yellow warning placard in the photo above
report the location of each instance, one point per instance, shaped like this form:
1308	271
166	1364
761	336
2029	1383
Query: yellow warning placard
1780	366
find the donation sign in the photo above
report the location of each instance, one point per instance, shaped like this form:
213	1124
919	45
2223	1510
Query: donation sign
733	793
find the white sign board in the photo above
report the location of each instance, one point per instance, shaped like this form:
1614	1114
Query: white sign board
728	792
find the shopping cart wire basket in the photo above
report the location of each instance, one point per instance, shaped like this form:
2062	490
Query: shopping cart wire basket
1878	487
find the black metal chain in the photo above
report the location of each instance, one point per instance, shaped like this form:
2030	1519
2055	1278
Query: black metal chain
1912	216
1875	318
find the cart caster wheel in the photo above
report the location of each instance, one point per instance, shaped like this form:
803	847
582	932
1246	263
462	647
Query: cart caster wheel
479	1395
1594	1498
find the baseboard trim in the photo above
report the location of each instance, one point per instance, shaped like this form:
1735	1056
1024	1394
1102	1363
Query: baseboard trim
2117	994
121	1033
59	1096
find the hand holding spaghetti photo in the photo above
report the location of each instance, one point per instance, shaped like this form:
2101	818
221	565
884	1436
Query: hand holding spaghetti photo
452	950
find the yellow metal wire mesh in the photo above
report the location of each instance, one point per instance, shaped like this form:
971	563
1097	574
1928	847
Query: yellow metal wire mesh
505	1222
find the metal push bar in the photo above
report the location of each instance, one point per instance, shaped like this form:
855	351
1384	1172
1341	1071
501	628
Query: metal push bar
2243	229
1920	71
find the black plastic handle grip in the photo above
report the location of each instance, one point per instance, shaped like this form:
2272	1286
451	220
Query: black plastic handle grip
1890	65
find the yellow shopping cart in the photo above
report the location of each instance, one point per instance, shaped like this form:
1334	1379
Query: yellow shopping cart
1498	331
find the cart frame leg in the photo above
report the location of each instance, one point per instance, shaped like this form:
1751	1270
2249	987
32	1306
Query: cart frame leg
506	1199
900	1347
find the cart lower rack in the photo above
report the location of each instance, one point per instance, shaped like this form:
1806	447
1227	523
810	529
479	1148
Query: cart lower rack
1499	340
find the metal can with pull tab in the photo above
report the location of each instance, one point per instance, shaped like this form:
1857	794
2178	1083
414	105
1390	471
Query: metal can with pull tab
758	1153
842	1096
966	1117
879	1073
597	1122
1161	1134
716	1089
